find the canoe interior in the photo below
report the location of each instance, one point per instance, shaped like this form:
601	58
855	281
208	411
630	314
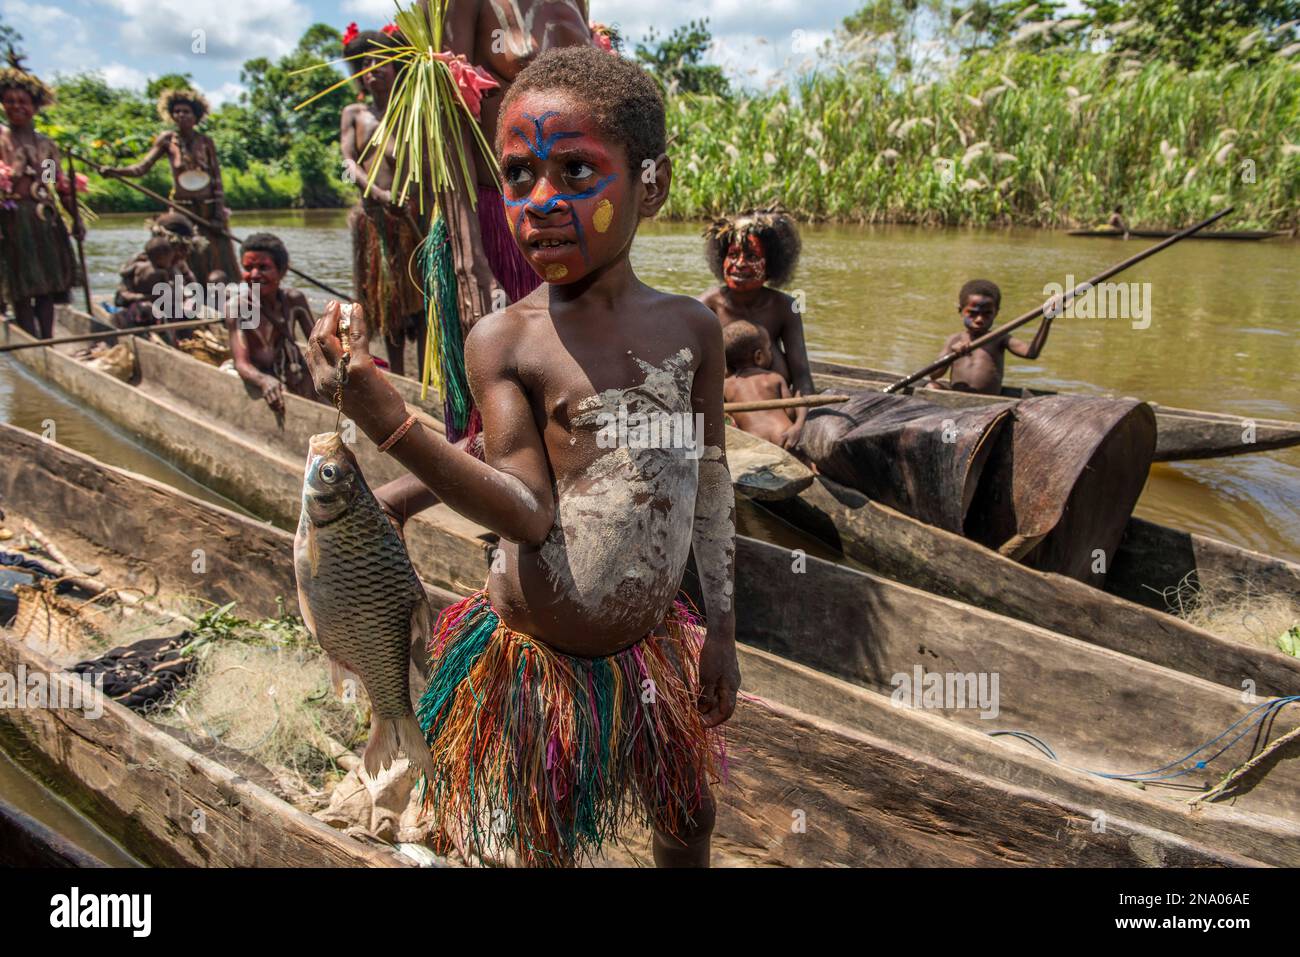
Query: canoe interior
26	842
834	746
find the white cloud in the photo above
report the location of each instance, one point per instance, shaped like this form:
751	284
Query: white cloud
370	14
196	31
120	75
226	93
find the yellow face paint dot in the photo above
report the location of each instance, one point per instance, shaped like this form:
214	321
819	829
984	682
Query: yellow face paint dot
604	215
556	271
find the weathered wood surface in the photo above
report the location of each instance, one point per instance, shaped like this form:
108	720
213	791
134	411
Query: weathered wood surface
26	842
898	547
757	809
170	805
1181	433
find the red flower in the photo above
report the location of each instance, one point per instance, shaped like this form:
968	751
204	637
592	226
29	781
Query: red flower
471	80
389	28
350	33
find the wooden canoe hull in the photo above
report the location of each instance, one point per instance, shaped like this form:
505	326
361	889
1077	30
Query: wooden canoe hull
805	788
1181	434
26	842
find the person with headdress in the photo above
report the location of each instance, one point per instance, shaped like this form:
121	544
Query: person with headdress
385	235
752	255
196	177
37	267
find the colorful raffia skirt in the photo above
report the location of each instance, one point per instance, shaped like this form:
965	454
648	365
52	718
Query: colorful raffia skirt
216	251
384	271
35	253
550	755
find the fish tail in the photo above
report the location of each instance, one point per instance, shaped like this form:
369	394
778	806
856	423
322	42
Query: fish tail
388	737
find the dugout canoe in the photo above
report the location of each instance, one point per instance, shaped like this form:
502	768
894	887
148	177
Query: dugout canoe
1237	235
209	425
1181	433
26	842
759	469
824	771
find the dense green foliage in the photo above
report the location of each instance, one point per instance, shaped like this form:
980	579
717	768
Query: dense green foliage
991	111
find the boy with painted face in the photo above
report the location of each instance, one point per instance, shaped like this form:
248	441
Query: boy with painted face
980	370
577	687
752	255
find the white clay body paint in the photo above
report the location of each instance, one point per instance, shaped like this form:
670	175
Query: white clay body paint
714	536
622	533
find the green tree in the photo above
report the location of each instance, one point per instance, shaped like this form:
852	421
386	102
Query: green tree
168	81
677	61
1196	33
906	23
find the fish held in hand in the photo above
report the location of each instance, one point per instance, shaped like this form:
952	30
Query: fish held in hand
360	596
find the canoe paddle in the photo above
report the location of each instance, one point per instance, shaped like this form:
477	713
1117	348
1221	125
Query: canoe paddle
206	224
1056	304
796	402
110	333
76	222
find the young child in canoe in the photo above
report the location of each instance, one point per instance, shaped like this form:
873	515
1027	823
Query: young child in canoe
752	255
136	292
750	379
980	370
576	691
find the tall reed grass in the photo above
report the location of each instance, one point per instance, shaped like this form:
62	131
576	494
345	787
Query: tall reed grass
1008	137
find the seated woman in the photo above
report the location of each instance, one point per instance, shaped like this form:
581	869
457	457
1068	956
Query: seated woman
137	290
265	354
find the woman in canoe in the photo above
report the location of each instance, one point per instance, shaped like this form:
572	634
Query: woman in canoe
196	177
36	263
266	356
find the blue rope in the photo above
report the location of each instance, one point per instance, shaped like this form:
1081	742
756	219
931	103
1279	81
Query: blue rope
1267	708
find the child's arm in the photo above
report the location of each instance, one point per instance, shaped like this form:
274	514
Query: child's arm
796	352
947	348
713	536
1031	351
515	498
797	418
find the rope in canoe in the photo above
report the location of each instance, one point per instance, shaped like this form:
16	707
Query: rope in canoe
1266	710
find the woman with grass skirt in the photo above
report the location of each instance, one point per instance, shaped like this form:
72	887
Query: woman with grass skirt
36	262
196	178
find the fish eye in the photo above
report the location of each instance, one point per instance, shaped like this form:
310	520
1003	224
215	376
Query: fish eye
328	472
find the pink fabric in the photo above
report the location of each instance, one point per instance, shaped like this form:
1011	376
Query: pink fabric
517	278
472	80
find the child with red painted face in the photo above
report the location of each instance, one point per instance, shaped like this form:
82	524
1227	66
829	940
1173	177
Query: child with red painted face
586	682
980	370
752	255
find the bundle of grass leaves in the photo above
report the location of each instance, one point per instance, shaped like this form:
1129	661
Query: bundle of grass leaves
263	688
1238	610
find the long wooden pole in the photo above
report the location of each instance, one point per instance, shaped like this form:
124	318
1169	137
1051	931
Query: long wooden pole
1056	304
797	402
76	223
206	224
110	333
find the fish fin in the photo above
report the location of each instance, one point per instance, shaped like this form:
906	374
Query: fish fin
422	622
339	673
388	737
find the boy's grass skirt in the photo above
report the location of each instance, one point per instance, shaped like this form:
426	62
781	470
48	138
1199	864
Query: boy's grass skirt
35	253
383	244
551	755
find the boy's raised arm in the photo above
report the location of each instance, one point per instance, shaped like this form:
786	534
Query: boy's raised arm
713	537
515	499
1031	351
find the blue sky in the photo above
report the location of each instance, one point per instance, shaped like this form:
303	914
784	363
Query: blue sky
129	41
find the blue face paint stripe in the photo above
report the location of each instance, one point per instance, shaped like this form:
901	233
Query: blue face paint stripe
541	144
551	203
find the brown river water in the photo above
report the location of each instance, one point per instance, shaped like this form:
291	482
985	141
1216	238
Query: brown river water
1223	335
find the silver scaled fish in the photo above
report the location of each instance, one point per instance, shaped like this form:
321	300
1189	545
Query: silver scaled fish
360	596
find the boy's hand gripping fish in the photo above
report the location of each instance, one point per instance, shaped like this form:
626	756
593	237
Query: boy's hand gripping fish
360	596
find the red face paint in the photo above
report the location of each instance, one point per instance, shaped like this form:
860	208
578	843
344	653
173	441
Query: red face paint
260	269
745	266
566	188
